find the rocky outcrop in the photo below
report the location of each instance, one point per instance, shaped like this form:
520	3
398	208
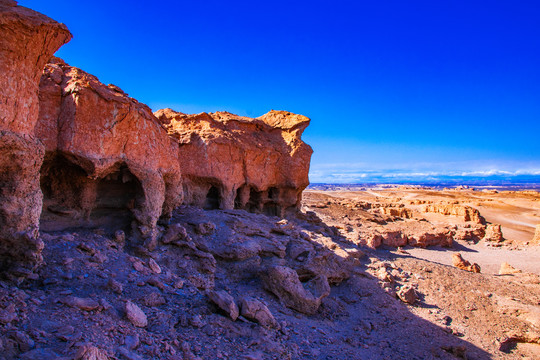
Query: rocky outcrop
536	238
494	233
230	161
283	282
27	40
107	159
467	213
459	262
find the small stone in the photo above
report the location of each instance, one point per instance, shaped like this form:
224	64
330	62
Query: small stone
137	265
132	341
129	355
90	352
407	294
99	258
85	248
154	266
115	286
196	321
120	237
8	314
135	315
178	284
154	299
86	304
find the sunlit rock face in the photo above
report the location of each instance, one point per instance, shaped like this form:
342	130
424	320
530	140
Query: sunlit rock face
108	162
229	161
27	40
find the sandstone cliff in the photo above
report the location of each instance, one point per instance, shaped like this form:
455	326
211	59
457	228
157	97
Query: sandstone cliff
107	160
27	40
229	161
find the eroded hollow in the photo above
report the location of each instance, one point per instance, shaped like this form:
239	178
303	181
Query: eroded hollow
116	196
213	199
272	209
71	199
255	200
67	194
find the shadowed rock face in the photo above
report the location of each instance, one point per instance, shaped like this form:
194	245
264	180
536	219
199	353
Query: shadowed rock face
27	40
107	159
229	161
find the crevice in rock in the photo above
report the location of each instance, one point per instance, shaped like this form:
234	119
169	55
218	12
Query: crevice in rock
213	199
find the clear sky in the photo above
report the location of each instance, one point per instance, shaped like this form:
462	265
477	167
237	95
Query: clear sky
394	88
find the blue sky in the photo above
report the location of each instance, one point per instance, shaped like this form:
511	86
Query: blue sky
392	87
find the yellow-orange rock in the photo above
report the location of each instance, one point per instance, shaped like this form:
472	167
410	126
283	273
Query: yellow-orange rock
467	213
229	161
459	262
27	40
536	238
107	156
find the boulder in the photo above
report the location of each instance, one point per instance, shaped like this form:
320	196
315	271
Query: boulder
283	282
407	294
254	309
507	269
230	161
108	161
27	40
463	264
225	302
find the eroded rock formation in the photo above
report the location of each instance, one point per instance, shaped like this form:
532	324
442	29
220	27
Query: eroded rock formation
230	161
536	238
467	213
107	159
27	40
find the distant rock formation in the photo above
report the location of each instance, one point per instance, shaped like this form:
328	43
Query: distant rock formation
27	40
229	161
536	238
467	213
107	159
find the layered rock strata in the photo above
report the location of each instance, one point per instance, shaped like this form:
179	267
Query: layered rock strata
27	40
108	162
229	161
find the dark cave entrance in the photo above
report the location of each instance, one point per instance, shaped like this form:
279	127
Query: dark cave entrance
255	200
117	195
66	196
213	199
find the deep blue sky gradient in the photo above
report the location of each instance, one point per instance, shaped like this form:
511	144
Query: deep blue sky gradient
392	87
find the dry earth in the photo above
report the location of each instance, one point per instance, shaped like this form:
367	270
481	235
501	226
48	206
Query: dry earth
100	298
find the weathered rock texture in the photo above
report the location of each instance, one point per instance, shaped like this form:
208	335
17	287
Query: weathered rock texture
536	238
467	213
107	159
27	40
230	161
459	262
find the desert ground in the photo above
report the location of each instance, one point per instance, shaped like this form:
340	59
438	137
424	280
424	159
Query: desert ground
229	284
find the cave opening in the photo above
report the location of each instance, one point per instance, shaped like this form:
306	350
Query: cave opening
117	195
272	209
66	201
238	203
255	200
213	199
273	193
